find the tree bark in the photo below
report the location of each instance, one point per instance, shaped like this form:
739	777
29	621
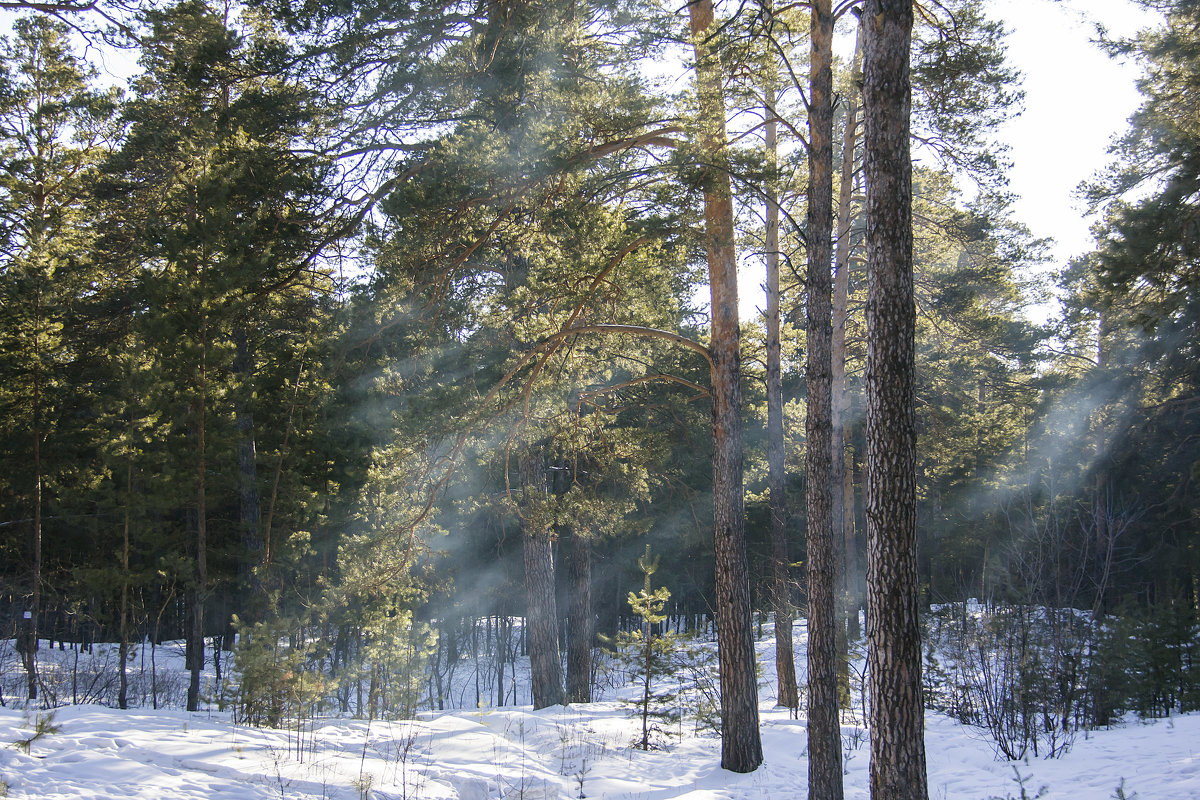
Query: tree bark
29	652
581	629
541	619
201	577
787	692
893	632
123	647
36	253
265	560
1100	510
843	478
249	509
824	733
852	577
741	745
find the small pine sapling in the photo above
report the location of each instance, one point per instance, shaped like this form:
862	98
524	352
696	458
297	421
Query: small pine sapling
43	726
653	652
273	681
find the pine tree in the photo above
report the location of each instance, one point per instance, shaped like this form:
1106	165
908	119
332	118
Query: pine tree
824	732
223	214
1134	314
843	463
648	605
741	744
893	627
781	584
52	129
542	617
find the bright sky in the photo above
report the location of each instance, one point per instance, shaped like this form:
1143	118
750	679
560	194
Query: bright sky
1076	100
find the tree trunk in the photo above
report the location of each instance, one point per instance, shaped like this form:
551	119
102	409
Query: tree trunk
123	647
580	625
198	594
545	663
851	577
265	560
1100	510
502	653
787	692
843	479
741	745
647	671
35	245
195	647
893	629
249	512
31	635
29	651
824	733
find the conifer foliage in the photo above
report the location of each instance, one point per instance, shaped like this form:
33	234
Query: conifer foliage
375	341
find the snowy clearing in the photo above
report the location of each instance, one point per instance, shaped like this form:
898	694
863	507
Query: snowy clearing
99	753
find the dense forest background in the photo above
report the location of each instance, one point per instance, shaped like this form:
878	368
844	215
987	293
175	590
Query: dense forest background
369	327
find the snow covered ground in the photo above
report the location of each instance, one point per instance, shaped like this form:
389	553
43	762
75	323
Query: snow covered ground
99	753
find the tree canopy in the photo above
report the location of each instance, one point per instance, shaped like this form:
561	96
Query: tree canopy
358	331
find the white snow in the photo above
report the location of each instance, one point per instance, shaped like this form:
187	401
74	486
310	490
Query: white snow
99	753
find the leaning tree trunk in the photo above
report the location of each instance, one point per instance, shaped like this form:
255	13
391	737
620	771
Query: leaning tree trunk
824	733
893	630
741	745
545	664
788	693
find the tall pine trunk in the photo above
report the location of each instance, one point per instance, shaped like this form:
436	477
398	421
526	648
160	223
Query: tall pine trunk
36	253
581	629
545	663
1100	510
123	646
741	745
787	691
824	733
29	651
843	473
196	634
249	511
893	628
264	562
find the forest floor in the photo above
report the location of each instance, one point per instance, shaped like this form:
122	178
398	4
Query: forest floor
579	751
